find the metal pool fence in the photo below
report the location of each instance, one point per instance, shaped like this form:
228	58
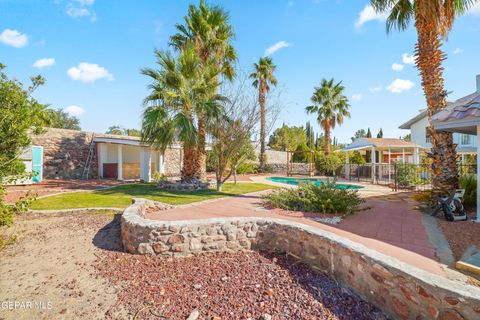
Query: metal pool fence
398	176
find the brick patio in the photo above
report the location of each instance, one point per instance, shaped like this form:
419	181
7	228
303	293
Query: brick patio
392	226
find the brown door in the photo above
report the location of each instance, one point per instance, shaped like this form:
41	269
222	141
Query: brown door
110	170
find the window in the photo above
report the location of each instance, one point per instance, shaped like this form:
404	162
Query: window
428	137
465	139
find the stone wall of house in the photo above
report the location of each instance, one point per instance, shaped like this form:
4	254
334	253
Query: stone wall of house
398	289
173	162
65	152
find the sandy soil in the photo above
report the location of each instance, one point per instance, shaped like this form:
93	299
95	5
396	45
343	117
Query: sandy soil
460	235
52	265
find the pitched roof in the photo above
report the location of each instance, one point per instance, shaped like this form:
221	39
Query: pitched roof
465	107
362	143
418	117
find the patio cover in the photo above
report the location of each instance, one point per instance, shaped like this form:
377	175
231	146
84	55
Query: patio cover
379	144
463	116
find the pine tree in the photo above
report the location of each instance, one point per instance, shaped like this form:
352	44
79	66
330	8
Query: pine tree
380	133
369	133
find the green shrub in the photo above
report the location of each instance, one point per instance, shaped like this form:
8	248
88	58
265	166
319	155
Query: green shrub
409	175
327	164
302	154
157	177
247	168
325	198
266	169
469	183
356	158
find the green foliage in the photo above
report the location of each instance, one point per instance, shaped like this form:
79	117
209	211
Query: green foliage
355	157
369	133
247	168
327	164
121	131
157	177
287	138
325	198
380	133
62	120
408	175
266	169
361	133
469	183
302	154
20	115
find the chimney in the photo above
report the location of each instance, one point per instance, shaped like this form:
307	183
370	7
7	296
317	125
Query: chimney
478	83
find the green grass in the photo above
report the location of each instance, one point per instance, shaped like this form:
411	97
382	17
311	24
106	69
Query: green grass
121	196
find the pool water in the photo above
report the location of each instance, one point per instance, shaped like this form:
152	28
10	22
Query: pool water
297	181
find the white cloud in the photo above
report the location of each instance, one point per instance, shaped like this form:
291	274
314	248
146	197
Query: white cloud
13	38
408	59
457	51
80	8
45	62
400	85
357	97
369	14
375	89
89	72
74	110
277	46
397	67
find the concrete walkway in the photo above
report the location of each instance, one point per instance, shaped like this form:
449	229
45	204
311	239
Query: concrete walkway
392	226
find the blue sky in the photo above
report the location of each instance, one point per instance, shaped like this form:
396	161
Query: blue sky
91	52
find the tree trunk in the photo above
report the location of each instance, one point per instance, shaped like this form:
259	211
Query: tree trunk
219	185
261	100
235	174
429	62
201	152
189	168
326	128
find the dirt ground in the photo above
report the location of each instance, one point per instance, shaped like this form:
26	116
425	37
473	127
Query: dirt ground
50	270
460	235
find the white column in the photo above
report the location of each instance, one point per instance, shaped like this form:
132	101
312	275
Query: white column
102	157
463	159
403	155
478	174
389	165
416	158
119	162
160	163
373	160
145	164
347	166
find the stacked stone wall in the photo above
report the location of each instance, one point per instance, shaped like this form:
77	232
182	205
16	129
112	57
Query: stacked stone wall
400	290
65	153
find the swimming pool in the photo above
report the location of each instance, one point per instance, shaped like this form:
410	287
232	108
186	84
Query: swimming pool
297	181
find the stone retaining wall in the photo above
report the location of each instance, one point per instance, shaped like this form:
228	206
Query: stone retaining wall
400	290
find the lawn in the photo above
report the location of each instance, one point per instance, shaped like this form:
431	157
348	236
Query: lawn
121	196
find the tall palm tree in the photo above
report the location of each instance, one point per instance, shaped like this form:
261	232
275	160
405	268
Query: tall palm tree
331	107
263	76
209	30
179	91
433	21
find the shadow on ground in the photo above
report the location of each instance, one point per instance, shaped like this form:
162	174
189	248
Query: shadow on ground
108	237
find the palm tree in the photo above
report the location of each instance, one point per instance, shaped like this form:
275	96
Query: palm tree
433	21
209	30
179	91
331	107
263	77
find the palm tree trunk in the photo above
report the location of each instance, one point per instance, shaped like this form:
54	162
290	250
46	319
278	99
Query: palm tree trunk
261	100
201	166
189	168
326	128
429	62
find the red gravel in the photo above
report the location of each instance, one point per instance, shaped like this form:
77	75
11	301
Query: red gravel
460	235
227	286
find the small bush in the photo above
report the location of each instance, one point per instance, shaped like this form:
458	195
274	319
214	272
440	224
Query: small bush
423	197
157	177
247	168
409	175
325	198
266	169
469	183
327	164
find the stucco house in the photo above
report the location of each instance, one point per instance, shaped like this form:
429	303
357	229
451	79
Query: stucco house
418	125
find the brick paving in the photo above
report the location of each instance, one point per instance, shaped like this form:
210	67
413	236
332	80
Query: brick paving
392	226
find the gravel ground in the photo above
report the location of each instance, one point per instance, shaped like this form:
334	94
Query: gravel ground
460	235
228	286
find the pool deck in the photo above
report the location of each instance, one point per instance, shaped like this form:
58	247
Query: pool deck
392	226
